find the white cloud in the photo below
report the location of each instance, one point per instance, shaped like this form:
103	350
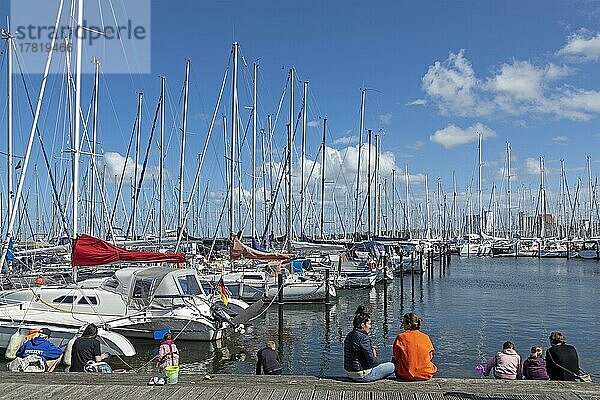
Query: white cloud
313	124
345	140
114	167
517	88
582	47
386	118
532	166
418	102
452	135
416	145
560	139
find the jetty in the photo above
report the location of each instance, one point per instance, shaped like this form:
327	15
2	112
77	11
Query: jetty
132	386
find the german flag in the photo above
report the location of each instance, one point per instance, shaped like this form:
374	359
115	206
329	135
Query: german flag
223	292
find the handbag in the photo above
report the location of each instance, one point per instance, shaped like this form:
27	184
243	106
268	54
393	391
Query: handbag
582	376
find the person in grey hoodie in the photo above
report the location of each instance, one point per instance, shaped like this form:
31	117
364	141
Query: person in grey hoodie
506	363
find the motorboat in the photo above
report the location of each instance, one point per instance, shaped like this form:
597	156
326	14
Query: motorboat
135	301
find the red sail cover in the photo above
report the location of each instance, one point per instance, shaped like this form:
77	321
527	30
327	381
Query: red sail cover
90	251
239	249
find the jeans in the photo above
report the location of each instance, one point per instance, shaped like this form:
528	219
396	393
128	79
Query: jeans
378	372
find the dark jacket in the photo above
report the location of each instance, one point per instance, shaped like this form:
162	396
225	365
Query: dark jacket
358	352
566	356
268	362
535	368
40	347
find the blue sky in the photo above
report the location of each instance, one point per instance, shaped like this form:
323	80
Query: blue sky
437	72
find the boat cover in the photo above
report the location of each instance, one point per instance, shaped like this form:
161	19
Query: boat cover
239	250
91	251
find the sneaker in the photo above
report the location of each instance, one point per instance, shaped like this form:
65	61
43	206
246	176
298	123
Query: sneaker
160	381
151	382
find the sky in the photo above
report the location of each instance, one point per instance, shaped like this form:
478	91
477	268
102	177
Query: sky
437	75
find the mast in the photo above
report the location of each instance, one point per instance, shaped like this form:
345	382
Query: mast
322	224
94	137
161	182
542	199
183	133
509	193
234	112
591	197
407	202
303	155
76	134
369	134
363	93
480	204
427	211
253	200
377	205
393	203
288	210
135	170
9	120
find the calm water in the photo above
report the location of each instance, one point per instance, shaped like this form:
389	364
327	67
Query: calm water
468	313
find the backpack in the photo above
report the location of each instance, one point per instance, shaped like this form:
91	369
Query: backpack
98	367
31	363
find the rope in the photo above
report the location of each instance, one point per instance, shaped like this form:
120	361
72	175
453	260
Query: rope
270	304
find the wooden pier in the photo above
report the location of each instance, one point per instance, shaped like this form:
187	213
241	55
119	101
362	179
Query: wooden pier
131	386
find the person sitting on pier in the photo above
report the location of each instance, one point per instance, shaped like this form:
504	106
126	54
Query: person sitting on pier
360	357
86	348
562	362
535	365
267	360
168	354
39	345
413	351
506	363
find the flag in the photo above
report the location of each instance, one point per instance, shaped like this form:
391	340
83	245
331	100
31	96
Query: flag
223	292
10	255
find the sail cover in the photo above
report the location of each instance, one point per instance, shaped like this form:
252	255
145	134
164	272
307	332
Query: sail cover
90	251
239	249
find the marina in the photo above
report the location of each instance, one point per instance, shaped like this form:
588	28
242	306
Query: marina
177	207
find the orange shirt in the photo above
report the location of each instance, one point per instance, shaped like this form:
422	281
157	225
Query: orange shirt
413	351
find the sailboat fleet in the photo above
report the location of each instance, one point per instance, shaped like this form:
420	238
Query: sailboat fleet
159	263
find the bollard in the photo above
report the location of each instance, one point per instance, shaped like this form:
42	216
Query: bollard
568	249
402	284
280	288
539	249
327	300
516	249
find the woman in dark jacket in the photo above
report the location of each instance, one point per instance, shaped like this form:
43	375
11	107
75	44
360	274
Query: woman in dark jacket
360	358
562	362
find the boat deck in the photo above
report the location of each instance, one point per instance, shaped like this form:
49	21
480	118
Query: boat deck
224	387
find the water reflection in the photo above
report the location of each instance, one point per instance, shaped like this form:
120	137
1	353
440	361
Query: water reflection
474	306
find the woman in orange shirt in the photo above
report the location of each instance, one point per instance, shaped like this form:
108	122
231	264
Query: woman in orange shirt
413	351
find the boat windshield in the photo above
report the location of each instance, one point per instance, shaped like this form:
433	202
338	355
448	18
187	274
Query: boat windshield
189	285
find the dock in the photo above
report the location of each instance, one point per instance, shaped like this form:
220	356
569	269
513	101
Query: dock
132	386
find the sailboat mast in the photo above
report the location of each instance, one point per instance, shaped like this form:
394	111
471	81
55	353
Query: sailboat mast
290	143
427	211
393	203
303	155
591	196
509	193
369	134
480	204
183	134
76	134
360	130
254	113
234	111
9	120
407	202
135	189
161	183
542	199
322	222
94	137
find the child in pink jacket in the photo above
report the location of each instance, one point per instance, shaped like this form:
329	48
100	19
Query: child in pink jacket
506	363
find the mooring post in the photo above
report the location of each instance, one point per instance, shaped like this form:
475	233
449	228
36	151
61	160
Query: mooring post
327	299
280	288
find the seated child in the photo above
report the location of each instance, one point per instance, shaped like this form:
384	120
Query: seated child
506	363
535	366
